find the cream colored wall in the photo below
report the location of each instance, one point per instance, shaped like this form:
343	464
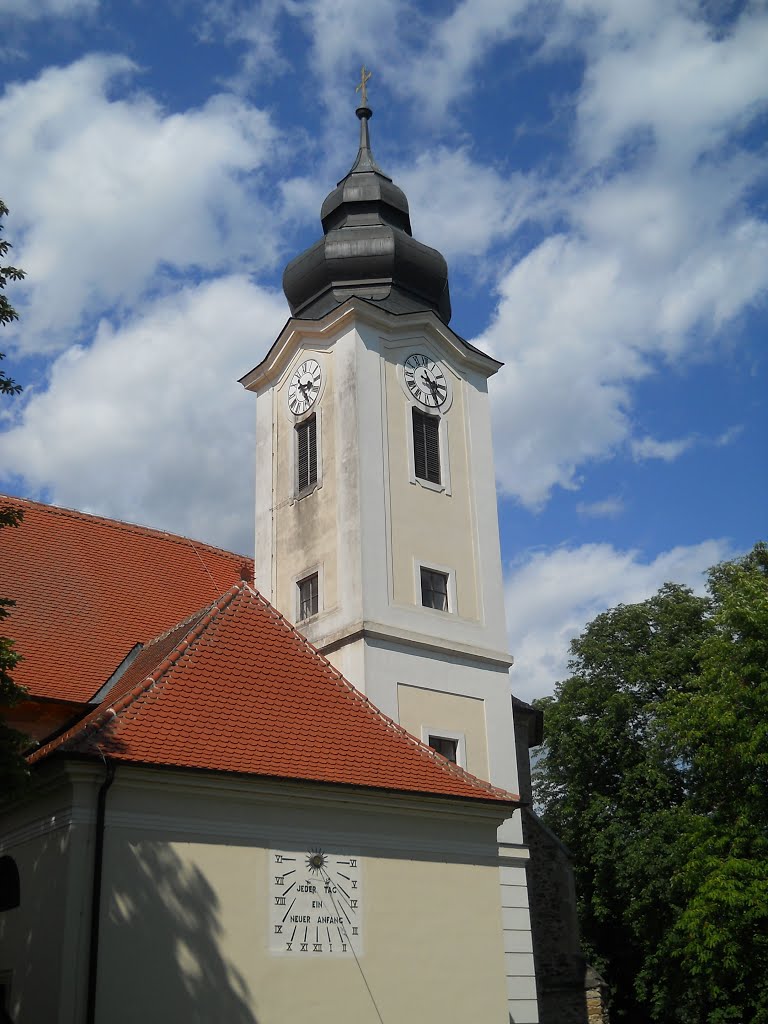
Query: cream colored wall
305	530
432	526
419	707
190	918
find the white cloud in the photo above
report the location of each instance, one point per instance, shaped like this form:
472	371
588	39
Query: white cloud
658	252
650	448
149	423
257	26
729	436
32	10
422	57
552	595
562	398
457	46
110	194
346	33
460	206
342	36
608	508
691	86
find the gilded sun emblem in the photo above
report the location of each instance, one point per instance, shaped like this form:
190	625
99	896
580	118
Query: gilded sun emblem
316	860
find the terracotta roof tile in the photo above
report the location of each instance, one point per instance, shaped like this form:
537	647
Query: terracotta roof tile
242	691
88	589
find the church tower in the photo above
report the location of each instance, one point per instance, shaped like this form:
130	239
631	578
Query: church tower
376	520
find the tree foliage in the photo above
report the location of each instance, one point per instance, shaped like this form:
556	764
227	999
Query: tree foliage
654	772
12	742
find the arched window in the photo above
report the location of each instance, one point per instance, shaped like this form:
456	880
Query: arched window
10	891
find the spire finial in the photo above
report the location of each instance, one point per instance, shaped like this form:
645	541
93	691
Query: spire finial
365	74
365	161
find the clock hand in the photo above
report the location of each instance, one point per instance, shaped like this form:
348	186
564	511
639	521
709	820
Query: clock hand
433	389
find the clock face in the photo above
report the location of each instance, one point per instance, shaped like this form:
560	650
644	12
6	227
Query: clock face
425	380
304	387
315	903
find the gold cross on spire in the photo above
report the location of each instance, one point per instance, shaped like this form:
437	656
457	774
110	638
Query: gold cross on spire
364	76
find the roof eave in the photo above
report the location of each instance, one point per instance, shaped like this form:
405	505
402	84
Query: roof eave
333	789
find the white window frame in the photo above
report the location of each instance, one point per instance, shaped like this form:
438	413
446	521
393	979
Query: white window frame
297	421
442	438
446	570
447	734
299	578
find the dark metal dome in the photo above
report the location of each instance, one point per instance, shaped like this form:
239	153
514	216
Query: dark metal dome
367	249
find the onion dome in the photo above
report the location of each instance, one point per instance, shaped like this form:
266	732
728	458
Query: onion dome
367	249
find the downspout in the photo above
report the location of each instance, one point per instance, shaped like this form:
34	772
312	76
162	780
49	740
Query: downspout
98	863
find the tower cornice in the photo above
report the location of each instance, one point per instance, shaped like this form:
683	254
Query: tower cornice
354	310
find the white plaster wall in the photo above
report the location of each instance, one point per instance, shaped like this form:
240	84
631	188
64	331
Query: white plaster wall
518	943
368	523
305	527
403	521
429	526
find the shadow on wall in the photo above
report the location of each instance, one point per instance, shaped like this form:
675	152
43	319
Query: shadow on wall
160	958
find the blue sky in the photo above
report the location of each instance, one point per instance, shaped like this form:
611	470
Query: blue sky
594	171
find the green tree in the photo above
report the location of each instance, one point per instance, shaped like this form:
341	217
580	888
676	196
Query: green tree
654	772
12	765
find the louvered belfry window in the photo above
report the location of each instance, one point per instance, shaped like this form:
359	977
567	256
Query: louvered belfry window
426	446
306	443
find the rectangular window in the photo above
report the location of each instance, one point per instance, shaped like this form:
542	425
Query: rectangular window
448	748
434	589
306	454
426	446
309	596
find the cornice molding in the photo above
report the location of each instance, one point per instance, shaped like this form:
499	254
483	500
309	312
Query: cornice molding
62	818
351	311
309	795
370	630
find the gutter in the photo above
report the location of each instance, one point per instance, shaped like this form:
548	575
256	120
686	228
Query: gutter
98	863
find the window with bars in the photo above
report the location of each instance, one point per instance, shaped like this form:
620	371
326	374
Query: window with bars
306	455
426	446
434	589
309	596
448	748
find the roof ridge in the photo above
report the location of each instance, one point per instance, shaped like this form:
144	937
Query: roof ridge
424	749
122	524
102	715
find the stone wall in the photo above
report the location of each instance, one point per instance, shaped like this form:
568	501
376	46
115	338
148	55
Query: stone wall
569	990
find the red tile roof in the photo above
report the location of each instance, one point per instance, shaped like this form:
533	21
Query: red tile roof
88	589
242	691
